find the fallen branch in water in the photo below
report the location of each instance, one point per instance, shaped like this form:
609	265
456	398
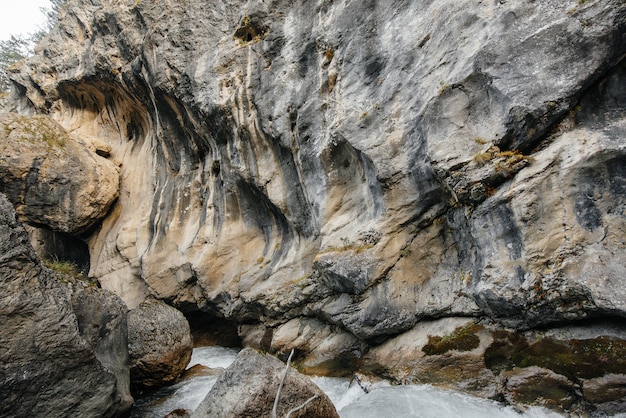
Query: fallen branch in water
280	389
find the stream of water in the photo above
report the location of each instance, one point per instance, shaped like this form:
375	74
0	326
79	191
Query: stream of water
350	400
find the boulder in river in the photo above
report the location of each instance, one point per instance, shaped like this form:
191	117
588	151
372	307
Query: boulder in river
248	389
160	344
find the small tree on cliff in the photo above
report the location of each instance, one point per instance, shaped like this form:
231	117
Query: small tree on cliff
17	48
14	49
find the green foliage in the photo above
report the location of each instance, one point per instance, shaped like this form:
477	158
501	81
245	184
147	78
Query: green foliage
347	244
63	267
17	48
68	272
504	160
14	49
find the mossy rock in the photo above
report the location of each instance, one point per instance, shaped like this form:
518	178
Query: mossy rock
576	358
463	338
34	129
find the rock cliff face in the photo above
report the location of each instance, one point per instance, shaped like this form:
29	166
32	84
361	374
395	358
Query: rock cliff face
63	348
351	168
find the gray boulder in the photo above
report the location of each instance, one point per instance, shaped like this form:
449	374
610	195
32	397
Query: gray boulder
53	179
61	350
248	387
160	344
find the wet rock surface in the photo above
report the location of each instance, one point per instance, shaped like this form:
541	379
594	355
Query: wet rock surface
563	368
248	387
333	176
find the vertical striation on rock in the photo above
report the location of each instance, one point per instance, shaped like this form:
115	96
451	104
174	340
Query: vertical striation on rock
355	168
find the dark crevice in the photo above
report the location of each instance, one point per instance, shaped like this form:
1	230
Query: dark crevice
209	330
60	247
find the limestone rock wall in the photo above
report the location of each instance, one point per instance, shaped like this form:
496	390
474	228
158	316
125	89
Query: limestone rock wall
350	167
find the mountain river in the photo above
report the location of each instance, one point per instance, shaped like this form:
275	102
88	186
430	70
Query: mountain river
351	401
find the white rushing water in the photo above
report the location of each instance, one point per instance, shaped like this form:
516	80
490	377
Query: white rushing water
351	401
188	393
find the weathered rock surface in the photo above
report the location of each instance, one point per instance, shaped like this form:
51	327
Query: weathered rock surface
353	168
326	350
606	393
160	344
530	384
247	388
242	160
52	179
568	368
62	350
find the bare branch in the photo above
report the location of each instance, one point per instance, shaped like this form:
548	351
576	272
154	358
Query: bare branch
280	387
311	399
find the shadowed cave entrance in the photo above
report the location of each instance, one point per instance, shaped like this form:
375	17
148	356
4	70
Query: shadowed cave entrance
59	247
209	330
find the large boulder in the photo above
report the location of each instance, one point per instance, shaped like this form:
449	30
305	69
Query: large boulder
159	344
62	347
53	179
248	387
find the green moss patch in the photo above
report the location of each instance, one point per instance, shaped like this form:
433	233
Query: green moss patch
576	358
68	272
341	366
463	338
571	358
